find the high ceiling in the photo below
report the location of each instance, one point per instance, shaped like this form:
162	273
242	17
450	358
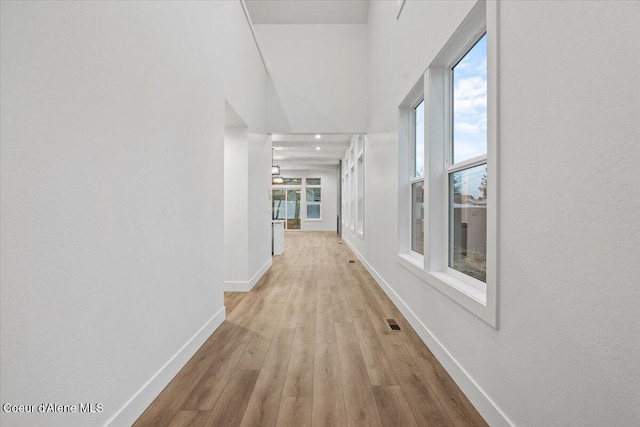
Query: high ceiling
308	11
305	151
302	151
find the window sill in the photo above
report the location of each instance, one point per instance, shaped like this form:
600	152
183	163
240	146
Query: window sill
313	220
467	295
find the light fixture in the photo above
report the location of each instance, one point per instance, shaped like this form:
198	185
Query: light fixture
317	148
318	136
275	172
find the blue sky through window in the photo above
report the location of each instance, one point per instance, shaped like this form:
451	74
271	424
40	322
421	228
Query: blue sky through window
470	103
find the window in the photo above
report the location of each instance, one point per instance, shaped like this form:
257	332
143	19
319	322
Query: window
417	183
467	171
352	190
352	197
313	181
314	198
360	187
451	168
288	181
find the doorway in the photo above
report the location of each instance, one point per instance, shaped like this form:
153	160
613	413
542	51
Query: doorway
286	207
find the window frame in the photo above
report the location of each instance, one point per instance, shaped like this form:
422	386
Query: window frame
360	181
476	296
307	203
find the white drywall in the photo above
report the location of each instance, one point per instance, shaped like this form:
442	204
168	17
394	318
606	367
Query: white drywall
566	349
247	218
112	131
329	208
259	216
318	77
236	204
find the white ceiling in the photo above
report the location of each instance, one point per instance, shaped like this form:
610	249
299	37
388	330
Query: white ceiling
308	11
300	151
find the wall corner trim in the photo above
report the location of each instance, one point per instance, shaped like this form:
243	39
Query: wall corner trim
247	285
135	406
480	400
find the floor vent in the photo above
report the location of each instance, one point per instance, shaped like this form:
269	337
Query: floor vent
393	325
351	261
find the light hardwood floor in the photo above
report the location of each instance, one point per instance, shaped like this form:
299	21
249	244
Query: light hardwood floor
310	346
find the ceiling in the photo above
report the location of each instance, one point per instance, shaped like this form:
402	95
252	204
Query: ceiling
308	11
300	151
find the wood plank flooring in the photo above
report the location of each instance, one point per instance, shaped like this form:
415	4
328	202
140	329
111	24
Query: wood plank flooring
310	346
232	299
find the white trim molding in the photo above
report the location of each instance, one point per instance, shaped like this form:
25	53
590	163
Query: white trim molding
140	401
247	285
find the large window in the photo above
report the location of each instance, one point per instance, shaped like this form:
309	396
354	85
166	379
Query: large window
467	172
451	172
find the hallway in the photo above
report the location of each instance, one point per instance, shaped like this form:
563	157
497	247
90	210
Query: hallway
309	345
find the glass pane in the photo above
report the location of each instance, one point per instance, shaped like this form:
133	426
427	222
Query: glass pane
352	197
313	181
360	206
417	217
468	221
313	194
470	103
313	211
278	200
293	209
419	142
293	181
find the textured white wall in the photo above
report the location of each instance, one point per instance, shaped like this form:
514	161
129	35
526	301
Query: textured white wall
112	132
566	349
318	77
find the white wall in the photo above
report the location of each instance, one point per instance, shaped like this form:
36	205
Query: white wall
247	216
259	218
236	205
329	209
112	132
566	349
318	77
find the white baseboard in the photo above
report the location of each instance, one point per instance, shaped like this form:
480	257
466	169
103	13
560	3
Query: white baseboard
130	412
247	285
478	398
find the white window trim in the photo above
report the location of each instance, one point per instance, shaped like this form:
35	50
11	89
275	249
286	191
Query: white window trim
478	297
406	157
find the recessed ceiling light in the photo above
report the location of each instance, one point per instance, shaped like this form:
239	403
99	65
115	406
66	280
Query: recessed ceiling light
318	136
317	148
